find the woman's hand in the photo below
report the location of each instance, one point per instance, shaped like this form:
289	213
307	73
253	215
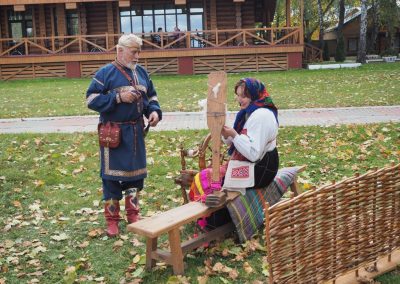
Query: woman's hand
228	132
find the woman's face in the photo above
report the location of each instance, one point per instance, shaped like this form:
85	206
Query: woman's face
243	101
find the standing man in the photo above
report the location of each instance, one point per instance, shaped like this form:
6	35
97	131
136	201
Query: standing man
122	92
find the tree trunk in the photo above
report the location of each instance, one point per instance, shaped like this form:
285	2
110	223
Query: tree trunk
340	48
321	28
372	44
362	48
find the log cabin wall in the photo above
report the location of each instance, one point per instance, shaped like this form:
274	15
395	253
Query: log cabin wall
96	17
99	18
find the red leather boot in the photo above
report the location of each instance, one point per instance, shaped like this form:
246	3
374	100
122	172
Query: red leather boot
111	213
132	205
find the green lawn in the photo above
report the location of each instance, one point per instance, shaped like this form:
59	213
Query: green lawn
51	210
371	84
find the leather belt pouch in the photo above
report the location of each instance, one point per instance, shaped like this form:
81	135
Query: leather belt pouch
109	134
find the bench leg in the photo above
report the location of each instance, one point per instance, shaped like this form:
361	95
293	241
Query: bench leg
151	245
176	251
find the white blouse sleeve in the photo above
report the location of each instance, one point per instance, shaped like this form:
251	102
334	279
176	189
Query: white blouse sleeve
260	138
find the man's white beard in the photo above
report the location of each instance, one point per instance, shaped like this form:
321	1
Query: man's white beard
131	65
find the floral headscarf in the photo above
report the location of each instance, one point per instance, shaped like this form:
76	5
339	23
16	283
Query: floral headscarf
256	91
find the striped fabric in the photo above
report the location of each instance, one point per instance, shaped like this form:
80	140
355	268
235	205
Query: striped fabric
247	210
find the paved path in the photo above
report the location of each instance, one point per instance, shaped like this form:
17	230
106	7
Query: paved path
197	120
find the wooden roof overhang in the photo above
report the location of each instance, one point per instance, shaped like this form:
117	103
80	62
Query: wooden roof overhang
122	3
19	5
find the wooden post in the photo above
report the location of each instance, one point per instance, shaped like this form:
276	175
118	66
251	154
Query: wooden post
176	251
287	13
151	246
216	105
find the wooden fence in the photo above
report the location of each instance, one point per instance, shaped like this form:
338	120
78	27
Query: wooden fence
324	233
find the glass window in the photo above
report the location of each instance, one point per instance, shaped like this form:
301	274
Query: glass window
16	30
148	24
196	22
147	10
352	44
137	26
72	23
148	18
159	10
159	22
125	13
169	9
182	22
171	23
126	25
20	23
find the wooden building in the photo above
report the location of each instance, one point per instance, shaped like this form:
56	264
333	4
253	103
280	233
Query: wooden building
73	38
351	34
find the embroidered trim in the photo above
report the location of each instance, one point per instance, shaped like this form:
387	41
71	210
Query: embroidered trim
98	81
91	98
119	173
240	172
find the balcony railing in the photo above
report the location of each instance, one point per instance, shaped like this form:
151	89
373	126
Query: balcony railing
152	41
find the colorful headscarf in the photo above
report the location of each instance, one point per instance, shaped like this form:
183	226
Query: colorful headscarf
256	91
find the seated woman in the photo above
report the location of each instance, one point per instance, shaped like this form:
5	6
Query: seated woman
253	140
253	136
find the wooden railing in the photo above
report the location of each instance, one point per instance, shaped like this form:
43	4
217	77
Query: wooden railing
164	40
312	53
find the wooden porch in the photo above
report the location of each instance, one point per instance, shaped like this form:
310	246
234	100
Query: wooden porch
230	50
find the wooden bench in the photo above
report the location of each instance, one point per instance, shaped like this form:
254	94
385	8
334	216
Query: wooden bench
170	222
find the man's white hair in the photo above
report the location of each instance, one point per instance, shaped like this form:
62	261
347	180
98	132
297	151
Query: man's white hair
129	40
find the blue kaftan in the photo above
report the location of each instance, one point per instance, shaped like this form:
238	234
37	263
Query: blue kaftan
128	161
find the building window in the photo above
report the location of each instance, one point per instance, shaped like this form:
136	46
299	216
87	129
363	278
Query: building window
352	44
20	24
72	23
149	18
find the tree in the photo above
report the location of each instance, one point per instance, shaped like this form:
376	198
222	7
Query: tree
311	14
362	48
340	49
390	17
375	15
321	26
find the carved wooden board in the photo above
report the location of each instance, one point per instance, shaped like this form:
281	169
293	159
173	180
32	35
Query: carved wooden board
216	114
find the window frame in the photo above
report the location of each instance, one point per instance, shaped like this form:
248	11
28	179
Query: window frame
26	20
165	13
71	15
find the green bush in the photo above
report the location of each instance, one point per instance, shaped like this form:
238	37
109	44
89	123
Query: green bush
325	52
389	52
340	55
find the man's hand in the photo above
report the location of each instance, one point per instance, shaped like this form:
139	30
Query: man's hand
153	119
128	95
228	132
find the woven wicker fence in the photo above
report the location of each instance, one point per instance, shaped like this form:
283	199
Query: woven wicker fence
322	233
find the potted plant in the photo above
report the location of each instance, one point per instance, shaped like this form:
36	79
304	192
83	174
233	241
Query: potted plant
389	55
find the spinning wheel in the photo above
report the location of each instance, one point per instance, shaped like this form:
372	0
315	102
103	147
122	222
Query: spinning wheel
204	155
216	114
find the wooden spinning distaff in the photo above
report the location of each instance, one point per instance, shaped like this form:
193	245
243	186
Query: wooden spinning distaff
216	115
